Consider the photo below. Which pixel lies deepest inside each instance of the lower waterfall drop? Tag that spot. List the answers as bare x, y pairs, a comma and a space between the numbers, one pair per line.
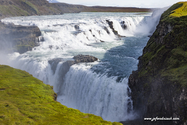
97, 94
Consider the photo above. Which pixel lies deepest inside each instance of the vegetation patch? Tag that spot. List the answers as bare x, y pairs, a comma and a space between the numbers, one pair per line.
26, 100
177, 75
31, 5
175, 12
166, 52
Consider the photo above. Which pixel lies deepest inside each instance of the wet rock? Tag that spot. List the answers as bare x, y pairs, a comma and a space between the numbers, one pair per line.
41, 39
110, 23
54, 63
77, 27
64, 68
123, 25
66, 65
16, 38
84, 58
105, 28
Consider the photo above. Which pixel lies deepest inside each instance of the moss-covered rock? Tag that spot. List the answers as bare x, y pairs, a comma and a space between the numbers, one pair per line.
159, 87
25, 100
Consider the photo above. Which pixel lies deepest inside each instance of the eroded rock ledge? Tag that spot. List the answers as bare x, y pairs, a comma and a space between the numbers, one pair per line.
18, 38
67, 64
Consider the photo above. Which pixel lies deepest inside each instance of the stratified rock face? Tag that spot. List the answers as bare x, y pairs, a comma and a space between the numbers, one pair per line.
18, 38
159, 86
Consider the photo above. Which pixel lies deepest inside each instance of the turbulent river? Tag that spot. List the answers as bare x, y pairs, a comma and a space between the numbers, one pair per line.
100, 88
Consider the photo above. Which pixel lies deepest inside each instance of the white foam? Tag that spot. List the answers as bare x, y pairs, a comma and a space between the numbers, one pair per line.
72, 34
96, 94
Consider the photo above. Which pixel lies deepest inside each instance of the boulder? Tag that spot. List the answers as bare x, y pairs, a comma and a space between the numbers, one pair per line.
84, 58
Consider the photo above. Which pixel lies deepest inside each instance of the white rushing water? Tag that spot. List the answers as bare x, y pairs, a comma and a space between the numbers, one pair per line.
101, 87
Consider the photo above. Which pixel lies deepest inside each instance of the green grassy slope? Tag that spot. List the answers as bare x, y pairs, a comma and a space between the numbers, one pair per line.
166, 51
25, 100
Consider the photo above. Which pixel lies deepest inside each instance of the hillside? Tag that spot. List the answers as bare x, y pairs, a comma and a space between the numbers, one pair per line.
114, 9
26, 8
26, 100
159, 86
42, 7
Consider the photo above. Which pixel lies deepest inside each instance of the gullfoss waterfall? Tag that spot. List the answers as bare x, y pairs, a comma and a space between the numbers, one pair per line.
100, 87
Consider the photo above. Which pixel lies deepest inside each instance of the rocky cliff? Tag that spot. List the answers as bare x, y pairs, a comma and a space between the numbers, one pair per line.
159, 86
18, 38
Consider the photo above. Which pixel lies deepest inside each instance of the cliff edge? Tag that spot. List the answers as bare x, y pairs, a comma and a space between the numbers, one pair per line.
25, 100
159, 86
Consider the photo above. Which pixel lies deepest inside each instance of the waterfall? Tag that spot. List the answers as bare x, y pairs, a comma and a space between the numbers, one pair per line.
97, 94
117, 43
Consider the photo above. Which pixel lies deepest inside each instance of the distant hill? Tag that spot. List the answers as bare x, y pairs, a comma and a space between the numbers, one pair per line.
114, 9
43, 7
26, 8
52, 1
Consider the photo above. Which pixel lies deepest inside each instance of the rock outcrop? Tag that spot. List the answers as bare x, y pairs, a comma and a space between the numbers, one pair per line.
159, 86
84, 58
67, 64
18, 38
64, 68
110, 23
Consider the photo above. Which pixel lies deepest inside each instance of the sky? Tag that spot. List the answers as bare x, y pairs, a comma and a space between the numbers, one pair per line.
124, 3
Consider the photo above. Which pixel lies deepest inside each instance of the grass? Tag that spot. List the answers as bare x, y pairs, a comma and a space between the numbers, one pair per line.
180, 11
5, 10
175, 12
166, 52
25, 100
177, 75
31, 5
12, 10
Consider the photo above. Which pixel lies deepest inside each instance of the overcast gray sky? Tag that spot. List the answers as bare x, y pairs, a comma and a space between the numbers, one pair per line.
123, 3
